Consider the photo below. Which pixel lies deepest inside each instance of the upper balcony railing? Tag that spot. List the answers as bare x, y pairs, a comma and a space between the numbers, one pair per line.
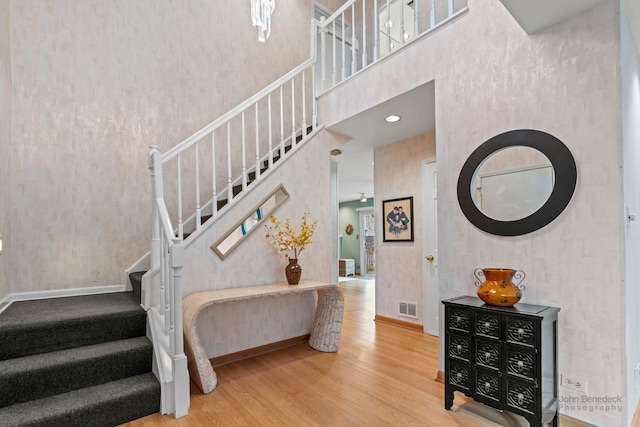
361, 32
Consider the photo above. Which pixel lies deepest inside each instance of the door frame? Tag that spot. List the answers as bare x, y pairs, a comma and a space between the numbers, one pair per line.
430, 291
362, 212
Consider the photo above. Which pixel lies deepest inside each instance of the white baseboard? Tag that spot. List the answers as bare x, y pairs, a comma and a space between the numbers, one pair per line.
59, 293
5, 302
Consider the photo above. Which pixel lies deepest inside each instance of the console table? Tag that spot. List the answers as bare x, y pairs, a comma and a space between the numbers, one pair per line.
325, 330
504, 357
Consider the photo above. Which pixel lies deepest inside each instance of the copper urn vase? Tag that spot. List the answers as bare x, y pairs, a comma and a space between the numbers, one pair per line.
293, 271
496, 287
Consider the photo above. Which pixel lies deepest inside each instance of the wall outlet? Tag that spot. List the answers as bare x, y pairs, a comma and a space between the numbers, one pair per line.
573, 384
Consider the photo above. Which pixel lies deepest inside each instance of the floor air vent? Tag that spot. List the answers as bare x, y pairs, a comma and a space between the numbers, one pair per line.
408, 309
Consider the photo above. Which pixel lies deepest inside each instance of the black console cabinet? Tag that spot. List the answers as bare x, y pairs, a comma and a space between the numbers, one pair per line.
504, 357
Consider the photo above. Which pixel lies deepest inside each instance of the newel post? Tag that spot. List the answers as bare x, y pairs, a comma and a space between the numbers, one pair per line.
155, 166
178, 358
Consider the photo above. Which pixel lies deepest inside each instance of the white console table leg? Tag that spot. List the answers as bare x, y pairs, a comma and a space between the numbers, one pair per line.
327, 324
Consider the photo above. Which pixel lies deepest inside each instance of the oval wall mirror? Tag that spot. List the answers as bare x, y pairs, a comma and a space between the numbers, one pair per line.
517, 182
513, 183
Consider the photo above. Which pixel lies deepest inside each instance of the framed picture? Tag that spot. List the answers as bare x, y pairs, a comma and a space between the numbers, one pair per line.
398, 220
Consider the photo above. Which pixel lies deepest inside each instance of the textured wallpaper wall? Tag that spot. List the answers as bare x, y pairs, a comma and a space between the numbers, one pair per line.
491, 77
95, 83
5, 147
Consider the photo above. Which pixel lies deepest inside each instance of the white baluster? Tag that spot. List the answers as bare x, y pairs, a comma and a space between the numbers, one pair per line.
334, 78
244, 156
402, 30
281, 123
323, 53
450, 9
257, 144
229, 183
433, 13
388, 26
314, 117
198, 212
214, 193
364, 33
344, 53
416, 14
354, 59
293, 113
270, 131
304, 107
164, 301
376, 30
180, 226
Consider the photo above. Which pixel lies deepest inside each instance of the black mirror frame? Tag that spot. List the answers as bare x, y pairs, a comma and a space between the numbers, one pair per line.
564, 167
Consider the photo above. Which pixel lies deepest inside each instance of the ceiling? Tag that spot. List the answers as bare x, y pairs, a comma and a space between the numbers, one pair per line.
534, 16
369, 130
416, 108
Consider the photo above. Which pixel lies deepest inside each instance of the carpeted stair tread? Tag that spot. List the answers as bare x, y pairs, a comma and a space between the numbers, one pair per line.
42, 375
104, 405
40, 326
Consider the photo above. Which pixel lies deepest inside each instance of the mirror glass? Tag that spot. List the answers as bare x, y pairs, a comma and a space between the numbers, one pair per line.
512, 183
241, 229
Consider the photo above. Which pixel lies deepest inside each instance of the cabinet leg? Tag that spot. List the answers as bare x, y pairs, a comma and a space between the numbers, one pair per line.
448, 399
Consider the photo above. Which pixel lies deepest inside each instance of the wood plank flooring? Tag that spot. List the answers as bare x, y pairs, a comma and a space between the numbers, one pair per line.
382, 375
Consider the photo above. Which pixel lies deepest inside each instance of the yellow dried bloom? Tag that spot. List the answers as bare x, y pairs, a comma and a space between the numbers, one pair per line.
286, 240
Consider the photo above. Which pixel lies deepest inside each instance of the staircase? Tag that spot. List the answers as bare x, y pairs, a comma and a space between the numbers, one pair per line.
76, 361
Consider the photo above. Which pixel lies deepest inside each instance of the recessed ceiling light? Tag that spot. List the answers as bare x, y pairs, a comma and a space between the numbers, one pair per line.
392, 118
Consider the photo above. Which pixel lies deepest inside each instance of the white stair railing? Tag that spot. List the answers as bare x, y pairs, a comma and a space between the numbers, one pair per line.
361, 32
284, 111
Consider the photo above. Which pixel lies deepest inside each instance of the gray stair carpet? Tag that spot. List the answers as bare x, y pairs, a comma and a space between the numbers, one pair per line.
76, 361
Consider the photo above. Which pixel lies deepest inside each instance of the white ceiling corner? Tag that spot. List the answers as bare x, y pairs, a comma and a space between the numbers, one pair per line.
536, 15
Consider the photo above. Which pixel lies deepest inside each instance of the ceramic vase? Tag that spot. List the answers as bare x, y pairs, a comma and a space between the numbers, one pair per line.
293, 271
496, 287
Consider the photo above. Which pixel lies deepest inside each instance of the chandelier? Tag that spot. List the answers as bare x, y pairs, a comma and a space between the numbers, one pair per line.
261, 11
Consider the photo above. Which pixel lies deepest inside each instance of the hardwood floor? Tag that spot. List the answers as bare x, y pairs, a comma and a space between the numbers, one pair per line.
382, 375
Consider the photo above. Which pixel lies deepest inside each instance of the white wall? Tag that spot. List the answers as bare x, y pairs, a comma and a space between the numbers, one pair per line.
490, 78
397, 171
94, 83
5, 147
630, 76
